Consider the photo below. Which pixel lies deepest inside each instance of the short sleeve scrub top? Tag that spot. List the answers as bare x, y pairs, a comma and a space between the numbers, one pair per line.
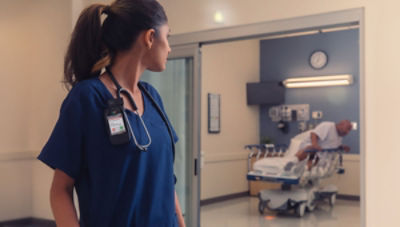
117, 185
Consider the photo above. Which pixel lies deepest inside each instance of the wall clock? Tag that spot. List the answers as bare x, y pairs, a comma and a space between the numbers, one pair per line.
318, 59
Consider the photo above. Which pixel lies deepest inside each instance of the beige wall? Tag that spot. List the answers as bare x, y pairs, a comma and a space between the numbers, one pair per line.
33, 42
36, 51
381, 78
349, 182
226, 72
16, 187
32, 47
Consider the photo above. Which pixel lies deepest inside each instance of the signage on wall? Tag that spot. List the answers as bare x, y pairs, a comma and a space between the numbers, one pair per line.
214, 119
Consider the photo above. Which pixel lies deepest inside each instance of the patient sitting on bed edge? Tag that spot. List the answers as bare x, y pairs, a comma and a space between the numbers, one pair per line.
327, 135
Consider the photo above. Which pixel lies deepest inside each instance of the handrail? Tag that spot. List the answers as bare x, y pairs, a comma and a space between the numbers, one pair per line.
326, 150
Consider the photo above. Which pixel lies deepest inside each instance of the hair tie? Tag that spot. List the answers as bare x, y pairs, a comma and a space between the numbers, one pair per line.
106, 10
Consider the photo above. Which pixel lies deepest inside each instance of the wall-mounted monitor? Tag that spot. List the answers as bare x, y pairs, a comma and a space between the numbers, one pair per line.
265, 93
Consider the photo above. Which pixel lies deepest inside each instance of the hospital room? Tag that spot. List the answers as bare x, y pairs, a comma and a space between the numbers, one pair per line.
280, 114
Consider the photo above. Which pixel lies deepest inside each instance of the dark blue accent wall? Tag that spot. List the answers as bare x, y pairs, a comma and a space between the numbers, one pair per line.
289, 57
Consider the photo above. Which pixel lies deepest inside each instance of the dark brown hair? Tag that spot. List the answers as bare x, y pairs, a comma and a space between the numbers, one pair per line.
93, 44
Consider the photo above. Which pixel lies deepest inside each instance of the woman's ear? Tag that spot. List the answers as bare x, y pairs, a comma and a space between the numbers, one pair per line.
149, 37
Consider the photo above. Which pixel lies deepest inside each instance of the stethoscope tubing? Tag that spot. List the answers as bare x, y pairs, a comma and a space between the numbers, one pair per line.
121, 90
142, 147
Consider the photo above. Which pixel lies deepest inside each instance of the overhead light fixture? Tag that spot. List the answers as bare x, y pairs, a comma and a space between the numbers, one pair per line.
318, 81
218, 17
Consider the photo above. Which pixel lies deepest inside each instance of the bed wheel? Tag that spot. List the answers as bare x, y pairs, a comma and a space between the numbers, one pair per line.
332, 199
311, 206
262, 205
301, 209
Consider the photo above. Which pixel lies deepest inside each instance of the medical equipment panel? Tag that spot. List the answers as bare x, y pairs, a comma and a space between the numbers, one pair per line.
288, 113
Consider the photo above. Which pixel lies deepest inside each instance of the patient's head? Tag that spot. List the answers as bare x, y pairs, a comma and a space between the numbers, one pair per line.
343, 127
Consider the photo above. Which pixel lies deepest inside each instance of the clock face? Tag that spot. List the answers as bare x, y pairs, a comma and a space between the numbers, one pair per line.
318, 59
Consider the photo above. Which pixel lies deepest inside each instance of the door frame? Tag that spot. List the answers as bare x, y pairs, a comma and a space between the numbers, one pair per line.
193, 51
334, 19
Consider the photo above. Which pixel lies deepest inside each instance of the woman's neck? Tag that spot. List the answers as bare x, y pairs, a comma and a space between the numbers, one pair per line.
127, 69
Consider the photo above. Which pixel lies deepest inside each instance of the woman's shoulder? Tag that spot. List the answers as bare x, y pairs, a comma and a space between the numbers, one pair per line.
153, 91
148, 86
86, 91
84, 87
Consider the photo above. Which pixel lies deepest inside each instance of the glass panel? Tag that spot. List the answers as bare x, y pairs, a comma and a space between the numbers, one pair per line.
174, 85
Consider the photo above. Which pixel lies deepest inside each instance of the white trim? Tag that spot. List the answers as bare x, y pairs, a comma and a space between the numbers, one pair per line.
363, 205
16, 156
351, 157
298, 24
225, 157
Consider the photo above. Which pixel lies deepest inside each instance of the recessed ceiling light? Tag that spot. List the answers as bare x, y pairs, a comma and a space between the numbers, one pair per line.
218, 17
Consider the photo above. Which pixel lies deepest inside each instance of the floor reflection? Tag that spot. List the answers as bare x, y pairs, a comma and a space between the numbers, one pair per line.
243, 212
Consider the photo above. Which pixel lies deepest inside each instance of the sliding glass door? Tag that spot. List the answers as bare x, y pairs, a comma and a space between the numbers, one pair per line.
179, 87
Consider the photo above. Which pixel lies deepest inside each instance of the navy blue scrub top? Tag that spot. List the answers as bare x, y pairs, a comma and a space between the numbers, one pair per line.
117, 185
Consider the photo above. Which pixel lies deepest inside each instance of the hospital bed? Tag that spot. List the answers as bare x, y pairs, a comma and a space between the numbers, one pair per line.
300, 189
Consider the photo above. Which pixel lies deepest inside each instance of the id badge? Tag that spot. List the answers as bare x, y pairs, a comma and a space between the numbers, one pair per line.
117, 122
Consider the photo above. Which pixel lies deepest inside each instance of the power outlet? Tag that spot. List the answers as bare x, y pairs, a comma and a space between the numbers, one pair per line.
316, 114
354, 125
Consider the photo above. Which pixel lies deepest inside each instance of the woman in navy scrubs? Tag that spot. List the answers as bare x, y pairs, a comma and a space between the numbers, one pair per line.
117, 184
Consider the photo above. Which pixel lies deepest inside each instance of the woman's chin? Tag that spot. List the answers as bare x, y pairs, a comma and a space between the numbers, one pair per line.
157, 69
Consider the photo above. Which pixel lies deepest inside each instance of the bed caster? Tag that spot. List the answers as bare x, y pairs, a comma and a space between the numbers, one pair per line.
332, 200
262, 205
301, 209
341, 171
311, 206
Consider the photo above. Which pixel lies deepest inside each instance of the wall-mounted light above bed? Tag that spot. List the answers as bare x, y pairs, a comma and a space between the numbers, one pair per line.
318, 81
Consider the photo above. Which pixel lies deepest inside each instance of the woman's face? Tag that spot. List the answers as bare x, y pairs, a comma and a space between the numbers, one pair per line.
158, 54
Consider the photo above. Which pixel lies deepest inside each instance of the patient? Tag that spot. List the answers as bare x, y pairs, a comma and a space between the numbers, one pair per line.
327, 135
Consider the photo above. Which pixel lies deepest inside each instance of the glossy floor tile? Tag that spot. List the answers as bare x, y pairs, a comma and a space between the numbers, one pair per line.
243, 212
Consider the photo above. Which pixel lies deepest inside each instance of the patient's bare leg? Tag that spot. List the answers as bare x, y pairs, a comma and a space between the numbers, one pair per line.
302, 154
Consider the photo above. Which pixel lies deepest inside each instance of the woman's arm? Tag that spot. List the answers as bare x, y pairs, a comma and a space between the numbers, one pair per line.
61, 200
181, 221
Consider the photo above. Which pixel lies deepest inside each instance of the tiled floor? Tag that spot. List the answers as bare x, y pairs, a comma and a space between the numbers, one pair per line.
243, 212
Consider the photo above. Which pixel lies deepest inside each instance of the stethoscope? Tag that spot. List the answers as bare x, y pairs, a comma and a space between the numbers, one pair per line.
121, 90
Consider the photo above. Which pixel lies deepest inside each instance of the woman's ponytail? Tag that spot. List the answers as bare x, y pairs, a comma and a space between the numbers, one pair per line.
86, 47
94, 45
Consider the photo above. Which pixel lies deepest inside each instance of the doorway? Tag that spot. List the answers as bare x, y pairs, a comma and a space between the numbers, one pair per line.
282, 27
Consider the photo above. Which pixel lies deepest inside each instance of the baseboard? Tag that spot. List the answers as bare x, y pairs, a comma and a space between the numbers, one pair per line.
223, 198
348, 197
32, 222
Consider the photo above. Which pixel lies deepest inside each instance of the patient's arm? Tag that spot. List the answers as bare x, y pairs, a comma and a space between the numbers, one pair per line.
302, 154
314, 142
345, 148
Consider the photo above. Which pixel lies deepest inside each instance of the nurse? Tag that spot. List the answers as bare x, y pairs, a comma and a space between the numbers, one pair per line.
121, 182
